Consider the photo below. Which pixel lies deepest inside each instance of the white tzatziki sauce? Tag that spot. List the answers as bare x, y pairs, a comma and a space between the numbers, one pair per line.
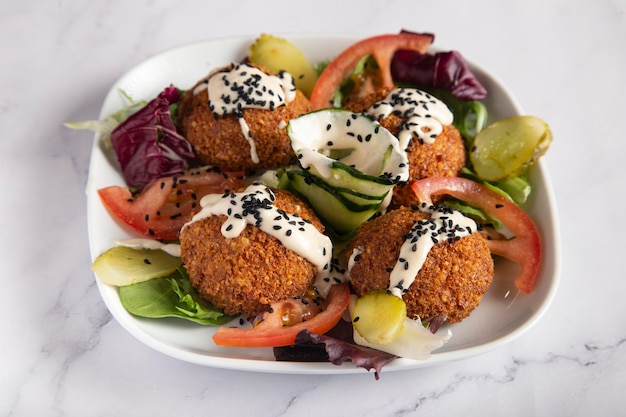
444, 225
254, 206
424, 115
144, 243
242, 86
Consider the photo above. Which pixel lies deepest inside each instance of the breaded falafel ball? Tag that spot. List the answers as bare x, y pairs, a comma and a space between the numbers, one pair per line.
247, 273
451, 282
443, 158
249, 131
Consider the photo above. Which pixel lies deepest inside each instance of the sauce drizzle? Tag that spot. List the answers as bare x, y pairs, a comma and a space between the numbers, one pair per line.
254, 206
424, 114
242, 86
444, 225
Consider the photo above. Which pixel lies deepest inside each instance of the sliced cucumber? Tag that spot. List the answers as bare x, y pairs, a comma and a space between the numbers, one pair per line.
342, 215
122, 265
358, 198
349, 165
354, 203
367, 150
348, 177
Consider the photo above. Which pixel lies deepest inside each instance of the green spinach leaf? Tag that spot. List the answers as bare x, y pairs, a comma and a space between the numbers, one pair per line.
171, 296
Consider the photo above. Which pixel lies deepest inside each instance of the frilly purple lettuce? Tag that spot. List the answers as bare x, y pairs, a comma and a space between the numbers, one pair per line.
336, 346
442, 70
339, 351
147, 144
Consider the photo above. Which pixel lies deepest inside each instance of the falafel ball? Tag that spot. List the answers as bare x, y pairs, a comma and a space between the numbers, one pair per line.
220, 140
443, 158
451, 282
245, 274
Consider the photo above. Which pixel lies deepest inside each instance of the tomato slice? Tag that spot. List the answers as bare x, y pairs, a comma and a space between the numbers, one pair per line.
272, 333
381, 47
524, 248
166, 204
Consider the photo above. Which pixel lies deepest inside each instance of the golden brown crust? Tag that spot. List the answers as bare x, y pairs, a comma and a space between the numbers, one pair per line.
443, 158
220, 141
451, 282
247, 273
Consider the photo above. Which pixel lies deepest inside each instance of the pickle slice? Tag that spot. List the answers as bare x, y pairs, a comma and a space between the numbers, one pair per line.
278, 54
506, 148
379, 316
122, 265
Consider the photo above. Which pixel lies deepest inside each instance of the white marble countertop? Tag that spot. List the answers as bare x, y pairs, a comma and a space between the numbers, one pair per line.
64, 354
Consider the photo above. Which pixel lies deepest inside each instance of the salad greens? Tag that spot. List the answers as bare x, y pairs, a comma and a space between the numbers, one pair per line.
148, 145
105, 126
171, 296
442, 70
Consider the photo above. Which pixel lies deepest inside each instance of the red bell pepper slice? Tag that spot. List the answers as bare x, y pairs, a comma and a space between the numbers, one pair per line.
381, 47
524, 248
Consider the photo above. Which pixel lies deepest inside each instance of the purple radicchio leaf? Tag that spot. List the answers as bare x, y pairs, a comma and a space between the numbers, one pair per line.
147, 144
435, 322
339, 351
443, 70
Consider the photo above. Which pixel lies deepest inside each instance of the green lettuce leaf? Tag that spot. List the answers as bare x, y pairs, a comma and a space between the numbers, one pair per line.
172, 296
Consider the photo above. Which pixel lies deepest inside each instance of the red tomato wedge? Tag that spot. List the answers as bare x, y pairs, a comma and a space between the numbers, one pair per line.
381, 47
271, 333
524, 248
166, 204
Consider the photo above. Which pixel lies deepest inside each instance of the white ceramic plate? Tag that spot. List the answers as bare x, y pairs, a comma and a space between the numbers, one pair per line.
502, 315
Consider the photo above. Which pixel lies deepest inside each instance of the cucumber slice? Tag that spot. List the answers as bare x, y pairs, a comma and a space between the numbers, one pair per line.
349, 164
304, 179
507, 148
358, 198
367, 151
342, 215
347, 178
122, 265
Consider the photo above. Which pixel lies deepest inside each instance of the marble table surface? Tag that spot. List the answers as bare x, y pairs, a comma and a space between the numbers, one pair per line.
62, 352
